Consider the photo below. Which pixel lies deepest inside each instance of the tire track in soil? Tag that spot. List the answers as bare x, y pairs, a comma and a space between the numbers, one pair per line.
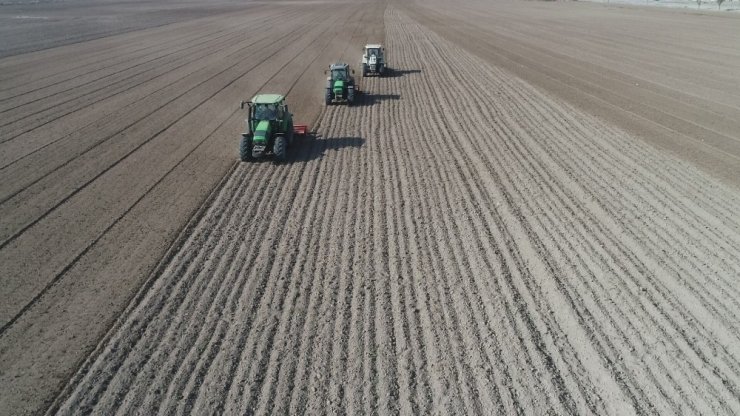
234, 189
417, 389
94, 128
14, 66
309, 296
338, 18
474, 77
84, 187
432, 259
74, 72
414, 61
647, 126
273, 227
252, 398
104, 94
210, 360
81, 89
676, 242
121, 55
527, 322
280, 364
202, 167
73, 103
436, 257
411, 263
85, 139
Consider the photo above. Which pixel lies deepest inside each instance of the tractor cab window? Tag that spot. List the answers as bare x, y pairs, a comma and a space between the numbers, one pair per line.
372, 52
338, 75
265, 112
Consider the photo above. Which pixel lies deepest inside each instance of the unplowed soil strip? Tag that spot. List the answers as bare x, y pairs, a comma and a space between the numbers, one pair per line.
457, 242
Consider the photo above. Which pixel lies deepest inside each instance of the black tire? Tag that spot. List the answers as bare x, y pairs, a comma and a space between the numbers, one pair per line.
381, 68
245, 149
364, 70
327, 98
280, 148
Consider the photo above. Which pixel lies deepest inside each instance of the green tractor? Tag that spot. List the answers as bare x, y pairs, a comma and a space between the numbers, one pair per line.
340, 84
270, 128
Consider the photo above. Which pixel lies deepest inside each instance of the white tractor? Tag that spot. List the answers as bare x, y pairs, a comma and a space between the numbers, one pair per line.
373, 60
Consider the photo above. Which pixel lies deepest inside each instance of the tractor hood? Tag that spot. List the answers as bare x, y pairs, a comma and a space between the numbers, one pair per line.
261, 132
338, 86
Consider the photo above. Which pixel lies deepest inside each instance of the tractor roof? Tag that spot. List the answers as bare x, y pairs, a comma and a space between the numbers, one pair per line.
339, 65
267, 99
373, 46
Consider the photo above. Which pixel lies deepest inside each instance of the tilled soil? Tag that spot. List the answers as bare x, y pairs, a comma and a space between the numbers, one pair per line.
506, 223
660, 76
458, 242
31, 25
108, 152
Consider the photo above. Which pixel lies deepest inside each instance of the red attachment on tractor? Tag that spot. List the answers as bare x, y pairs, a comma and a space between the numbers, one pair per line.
301, 129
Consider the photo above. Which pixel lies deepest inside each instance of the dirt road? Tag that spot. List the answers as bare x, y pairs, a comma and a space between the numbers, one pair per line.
470, 238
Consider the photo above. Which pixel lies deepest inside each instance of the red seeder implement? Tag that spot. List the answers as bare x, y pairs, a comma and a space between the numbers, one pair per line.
301, 129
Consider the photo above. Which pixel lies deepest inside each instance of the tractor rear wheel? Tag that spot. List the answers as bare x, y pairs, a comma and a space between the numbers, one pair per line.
280, 148
245, 149
328, 96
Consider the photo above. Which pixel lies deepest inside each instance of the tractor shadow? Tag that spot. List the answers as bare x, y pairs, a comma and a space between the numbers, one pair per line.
313, 146
395, 73
365, 99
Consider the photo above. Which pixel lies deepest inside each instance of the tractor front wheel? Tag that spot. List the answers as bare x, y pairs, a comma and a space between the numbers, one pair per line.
280, 148
328, 97
245, 149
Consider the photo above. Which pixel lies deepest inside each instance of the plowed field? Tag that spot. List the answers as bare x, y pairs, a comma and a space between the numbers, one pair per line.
468, 238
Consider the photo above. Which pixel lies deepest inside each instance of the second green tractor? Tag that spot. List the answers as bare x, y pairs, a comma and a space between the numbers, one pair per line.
340, 84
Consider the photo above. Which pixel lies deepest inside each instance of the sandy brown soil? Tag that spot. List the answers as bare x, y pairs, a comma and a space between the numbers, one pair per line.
108, 153
661, 75
475, 236
30, 25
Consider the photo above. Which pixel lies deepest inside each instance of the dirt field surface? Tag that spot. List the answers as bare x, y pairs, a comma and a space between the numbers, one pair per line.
30, 25
535, 211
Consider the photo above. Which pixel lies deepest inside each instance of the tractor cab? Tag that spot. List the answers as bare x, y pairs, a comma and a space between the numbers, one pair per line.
268, 108
375, 50
265, 112
339, 72
373, 59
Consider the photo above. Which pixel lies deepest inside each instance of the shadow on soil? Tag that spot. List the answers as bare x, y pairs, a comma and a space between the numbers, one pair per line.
365, 99
394, 73
312, 146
